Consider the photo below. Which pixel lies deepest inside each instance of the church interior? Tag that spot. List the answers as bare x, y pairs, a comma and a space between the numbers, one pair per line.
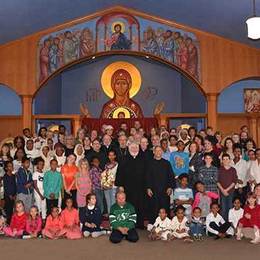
169, 65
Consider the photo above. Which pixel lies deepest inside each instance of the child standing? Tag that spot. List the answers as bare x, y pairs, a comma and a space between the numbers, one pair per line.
215, 224
203, 199
91, 218
38, 177
70, 220
18, 221
52, 184
250, 218
25, 184
183, 196
197, 224
54, 227
179, 227
108, 178
161, 228
95, 175
9, 190
227, 179
83, 183
33, 224
234, 215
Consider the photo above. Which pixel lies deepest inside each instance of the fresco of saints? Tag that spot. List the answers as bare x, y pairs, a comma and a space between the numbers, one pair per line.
192, 57
182, 54
151, 45
168, 46
70, 47
55, 54
118, 40
121, 83
86, 43
44, 59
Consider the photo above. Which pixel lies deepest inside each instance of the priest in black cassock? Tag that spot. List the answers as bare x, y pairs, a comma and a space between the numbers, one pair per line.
160, 181
130, 177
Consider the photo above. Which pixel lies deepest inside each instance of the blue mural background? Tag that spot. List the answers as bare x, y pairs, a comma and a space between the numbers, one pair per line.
10, 102
231, 99
81, 84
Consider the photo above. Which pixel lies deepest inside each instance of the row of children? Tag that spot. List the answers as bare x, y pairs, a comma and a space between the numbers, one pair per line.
69, 223
240, 222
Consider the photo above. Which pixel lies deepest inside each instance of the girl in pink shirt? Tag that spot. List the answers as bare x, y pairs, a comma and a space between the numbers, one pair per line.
33, 223
203, 199
70, 220
54, 226
18, 221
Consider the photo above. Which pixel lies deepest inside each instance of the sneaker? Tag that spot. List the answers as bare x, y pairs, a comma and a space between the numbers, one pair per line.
98, 234
26, 237
255, 241
200, 237
188, 240
86, 234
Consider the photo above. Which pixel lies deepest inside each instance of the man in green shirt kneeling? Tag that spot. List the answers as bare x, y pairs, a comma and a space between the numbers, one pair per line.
122, 220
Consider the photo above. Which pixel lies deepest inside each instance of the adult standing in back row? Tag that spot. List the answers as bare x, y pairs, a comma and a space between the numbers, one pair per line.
131, 178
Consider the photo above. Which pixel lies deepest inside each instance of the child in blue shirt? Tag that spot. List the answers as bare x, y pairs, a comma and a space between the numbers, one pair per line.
183, 196
179, 160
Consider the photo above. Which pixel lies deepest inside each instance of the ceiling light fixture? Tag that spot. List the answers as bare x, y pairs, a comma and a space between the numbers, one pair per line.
253, 25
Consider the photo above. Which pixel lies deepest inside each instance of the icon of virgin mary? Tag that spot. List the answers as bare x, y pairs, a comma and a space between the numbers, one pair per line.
121, 83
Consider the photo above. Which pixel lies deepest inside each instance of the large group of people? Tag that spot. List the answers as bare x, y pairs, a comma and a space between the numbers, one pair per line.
177, 183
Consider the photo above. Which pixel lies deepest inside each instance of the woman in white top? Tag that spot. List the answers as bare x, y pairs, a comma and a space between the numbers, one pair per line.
241, 188
254, 171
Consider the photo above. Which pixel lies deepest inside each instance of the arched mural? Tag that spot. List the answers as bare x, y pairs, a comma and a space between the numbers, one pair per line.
84, 84
118, 32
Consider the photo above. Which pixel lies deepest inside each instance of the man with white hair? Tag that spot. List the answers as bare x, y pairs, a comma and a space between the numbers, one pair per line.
131, 179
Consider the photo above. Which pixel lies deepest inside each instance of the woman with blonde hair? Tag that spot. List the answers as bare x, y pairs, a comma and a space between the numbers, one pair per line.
83, 183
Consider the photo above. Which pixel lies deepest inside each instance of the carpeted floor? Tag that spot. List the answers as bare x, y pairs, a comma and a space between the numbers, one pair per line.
101, 248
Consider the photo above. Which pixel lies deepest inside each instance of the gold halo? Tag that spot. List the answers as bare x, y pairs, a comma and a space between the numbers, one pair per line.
118, 22
121, 109
109, 71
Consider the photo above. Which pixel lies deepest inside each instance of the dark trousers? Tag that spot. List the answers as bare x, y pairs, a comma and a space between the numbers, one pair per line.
116, 236
9, 207
156, 202
241, 194
222, 228
50, 204
226, 203
73, 196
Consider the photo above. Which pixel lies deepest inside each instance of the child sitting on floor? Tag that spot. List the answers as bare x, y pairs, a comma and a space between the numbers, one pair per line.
215, 224
91, 218
18, 221
203, 199
179, 228
70, 220
197, 224
33, 224
234, 215
250, 219
2, 221
161, 228
53, 227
